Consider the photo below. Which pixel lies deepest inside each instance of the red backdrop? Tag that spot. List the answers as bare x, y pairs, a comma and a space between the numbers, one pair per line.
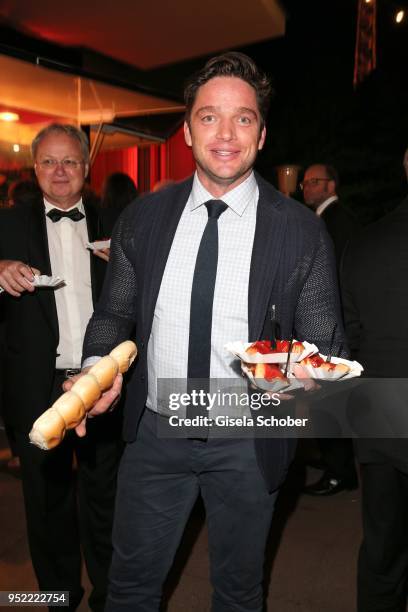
146, 165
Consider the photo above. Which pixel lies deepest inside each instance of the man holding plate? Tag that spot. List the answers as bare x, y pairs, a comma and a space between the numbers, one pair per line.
196, 266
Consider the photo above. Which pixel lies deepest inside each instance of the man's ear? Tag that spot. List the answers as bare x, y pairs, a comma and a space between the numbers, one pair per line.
187, 134
86, 170
332, 187
262, 138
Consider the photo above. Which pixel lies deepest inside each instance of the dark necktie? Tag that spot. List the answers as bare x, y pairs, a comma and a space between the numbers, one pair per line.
55, 214
202, 298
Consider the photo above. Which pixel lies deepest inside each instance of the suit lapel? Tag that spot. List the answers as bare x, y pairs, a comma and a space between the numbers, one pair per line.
39, 257
159, 244
267, 249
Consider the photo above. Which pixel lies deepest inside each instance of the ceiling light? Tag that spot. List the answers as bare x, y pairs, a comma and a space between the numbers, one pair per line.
7, 116
399, 16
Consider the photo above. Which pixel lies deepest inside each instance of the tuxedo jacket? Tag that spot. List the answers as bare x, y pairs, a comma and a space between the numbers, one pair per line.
292, 266
31, 322
341, 225
375, 301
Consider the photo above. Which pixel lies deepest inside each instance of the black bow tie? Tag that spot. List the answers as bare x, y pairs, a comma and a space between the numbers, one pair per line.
55, 214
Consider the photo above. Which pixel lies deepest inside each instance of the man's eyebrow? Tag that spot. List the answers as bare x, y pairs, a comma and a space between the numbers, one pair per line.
250, 111
207, 109
239, 109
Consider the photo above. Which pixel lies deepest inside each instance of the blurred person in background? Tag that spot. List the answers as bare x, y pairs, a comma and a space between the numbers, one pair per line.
375, 303
320, 185
23, 193
117, 192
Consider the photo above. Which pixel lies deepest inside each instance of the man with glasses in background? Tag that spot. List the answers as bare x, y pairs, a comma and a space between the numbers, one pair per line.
66, 509
320, 184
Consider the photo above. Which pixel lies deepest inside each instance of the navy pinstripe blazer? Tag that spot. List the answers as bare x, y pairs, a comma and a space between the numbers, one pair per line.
292, 267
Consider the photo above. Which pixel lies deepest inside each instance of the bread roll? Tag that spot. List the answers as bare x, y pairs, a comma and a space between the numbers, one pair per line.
316, 361
264, 347
341, 369
48, 430
69, 409
268, 371
87, 389
124, 355
105, 371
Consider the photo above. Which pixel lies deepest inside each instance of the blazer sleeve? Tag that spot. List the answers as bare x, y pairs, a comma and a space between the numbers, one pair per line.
114, 317
318, 314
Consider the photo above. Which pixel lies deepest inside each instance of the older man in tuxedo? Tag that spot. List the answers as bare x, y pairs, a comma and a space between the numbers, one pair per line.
66, 509
196, 265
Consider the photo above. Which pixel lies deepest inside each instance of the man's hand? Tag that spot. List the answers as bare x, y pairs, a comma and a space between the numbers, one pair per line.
16, 277
106, 402
102, 253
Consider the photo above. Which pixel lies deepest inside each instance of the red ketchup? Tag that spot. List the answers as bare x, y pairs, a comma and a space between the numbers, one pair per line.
264, 347
317, 361
272, 372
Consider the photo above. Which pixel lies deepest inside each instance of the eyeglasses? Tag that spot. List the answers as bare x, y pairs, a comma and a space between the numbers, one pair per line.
51, 164
313, 182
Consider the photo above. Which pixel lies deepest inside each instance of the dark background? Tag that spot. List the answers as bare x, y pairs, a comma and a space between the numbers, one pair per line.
317, 115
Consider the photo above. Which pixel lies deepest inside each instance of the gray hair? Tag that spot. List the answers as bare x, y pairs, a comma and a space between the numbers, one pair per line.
68, 130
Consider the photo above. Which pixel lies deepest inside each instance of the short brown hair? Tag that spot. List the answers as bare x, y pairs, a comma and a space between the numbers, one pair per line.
62, 128
231, 64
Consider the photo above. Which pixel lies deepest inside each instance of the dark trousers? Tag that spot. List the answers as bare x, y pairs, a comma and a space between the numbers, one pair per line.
337, 452
68, 508
383, 560
159, 481
338, 456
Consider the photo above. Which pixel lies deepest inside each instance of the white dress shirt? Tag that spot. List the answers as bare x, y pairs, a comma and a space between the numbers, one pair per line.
322, 207
70, 260
168, 343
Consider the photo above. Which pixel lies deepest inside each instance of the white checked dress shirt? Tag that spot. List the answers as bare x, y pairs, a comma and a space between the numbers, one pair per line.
70, 260
167, 352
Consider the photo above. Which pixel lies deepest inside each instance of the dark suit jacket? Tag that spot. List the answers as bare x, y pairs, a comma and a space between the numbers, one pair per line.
341, 225
292, 267
31, 324
375, 300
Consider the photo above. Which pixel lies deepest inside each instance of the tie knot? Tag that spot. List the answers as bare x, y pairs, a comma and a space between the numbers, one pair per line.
215, 208
56, 214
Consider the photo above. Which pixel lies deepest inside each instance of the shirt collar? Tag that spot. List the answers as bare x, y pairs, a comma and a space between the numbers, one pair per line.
237, 199
79, 205
322, 207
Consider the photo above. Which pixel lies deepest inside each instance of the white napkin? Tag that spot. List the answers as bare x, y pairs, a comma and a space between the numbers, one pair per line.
98, 245
45, 281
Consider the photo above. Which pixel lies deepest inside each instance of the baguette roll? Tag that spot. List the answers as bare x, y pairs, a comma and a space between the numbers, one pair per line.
48, 430
105, 371
71, 408
87, 389
124, 355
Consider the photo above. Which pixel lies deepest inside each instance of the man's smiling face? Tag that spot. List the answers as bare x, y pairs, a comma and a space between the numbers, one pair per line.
225, 133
